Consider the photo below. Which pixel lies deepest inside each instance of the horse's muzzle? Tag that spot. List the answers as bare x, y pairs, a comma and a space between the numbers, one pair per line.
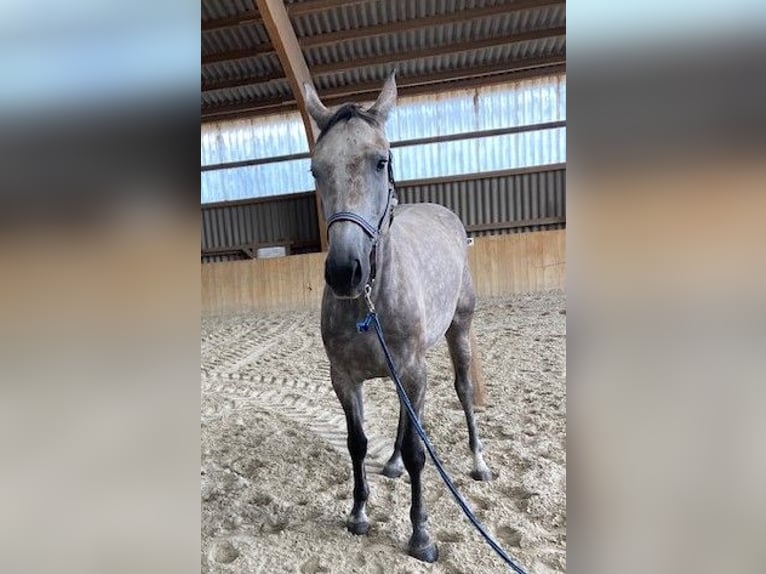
344, 277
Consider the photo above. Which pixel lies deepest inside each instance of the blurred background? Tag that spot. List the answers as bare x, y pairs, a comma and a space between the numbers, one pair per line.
665, 287
99, 331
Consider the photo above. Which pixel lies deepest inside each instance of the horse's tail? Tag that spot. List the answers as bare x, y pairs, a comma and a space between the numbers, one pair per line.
477, 375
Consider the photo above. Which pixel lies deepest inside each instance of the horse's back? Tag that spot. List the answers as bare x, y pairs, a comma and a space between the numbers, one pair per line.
426, 223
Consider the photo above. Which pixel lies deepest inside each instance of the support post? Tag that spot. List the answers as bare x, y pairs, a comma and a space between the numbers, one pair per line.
285, 42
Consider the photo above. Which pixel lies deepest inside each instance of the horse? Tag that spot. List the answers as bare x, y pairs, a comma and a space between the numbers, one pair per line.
411, 261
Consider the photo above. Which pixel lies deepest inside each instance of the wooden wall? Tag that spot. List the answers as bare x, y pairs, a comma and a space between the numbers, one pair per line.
501, 265
519, 263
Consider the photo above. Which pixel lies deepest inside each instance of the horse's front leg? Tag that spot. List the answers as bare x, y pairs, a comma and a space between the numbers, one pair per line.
413, 455
349, 394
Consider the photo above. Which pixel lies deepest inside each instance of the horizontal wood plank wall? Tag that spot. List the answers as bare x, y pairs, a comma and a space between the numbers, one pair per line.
501, 265
520, 263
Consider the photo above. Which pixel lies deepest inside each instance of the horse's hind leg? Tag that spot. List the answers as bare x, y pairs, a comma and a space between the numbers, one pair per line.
394, 467
350, 396
459, 342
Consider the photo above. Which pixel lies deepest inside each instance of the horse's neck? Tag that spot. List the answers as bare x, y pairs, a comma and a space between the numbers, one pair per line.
386, 267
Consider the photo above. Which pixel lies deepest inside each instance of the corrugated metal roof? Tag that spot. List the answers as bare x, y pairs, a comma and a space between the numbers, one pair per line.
244, 67
236, 38
394, 44
436, 64
250, 93
359, 16
213, 9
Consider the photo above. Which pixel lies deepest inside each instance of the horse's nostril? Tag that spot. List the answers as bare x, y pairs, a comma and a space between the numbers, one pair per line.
344, 278
356, 277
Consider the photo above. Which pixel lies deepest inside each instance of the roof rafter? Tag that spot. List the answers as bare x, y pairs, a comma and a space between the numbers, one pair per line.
282, 36
260, 50
309, 6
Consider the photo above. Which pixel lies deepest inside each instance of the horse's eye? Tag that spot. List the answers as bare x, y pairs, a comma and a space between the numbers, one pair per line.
382, 164
313, 173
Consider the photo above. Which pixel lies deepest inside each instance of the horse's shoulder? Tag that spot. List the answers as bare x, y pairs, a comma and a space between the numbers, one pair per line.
425, 211
422, 216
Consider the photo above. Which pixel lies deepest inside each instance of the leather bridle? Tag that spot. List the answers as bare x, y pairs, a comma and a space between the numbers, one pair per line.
372, 232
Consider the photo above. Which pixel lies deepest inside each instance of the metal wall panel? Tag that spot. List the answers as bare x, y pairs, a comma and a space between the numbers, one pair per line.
287, 218
252, 138
499, 199
524, 102
479, 200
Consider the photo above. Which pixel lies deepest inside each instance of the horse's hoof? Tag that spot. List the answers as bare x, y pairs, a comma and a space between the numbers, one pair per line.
427, 553
483, 475
393, 470
358, 528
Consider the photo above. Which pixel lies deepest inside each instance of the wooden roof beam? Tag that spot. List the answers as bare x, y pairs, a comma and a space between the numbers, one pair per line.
260, 50
241, 82
282, 36
309, 6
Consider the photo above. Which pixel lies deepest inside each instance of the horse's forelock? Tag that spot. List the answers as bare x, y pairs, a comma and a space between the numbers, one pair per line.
347, 112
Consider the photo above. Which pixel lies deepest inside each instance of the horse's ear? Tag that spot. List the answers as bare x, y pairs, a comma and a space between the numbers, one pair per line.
386, 99
315, 107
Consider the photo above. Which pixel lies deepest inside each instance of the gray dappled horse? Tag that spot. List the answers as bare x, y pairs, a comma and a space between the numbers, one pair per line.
414, 259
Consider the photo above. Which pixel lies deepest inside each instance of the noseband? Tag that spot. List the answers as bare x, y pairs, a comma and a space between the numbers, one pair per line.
372, 232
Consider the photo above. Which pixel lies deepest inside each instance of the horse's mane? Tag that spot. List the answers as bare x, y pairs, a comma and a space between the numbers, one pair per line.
347, 112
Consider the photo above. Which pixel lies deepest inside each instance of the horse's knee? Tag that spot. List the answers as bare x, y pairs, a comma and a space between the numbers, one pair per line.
413, 455
357, 444
463, 388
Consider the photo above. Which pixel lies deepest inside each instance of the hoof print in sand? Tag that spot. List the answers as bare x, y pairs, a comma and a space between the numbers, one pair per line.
509, 536
313, 566
275, 525
449, 536
223, 552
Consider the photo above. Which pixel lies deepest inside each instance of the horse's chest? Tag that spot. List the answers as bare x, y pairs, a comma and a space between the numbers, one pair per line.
360, 354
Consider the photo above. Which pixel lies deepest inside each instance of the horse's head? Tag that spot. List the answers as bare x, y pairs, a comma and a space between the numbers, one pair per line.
350, 166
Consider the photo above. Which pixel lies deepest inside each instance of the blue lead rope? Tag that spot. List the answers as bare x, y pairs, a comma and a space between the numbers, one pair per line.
364, 326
